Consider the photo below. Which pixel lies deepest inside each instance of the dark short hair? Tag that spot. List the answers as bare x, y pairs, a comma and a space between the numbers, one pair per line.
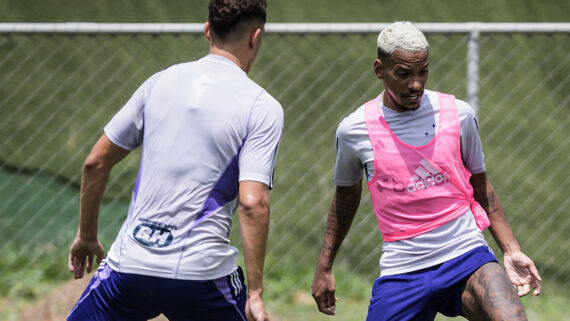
228, 17
382, 54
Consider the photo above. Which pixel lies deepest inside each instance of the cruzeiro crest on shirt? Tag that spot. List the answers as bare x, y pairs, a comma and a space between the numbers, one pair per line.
154, 234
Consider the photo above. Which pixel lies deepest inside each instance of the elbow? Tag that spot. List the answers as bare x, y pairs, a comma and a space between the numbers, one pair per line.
94, 164
254, 207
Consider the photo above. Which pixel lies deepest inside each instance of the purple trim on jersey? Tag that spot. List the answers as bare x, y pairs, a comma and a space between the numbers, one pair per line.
136, 188
225, 190
137, 183
273, 166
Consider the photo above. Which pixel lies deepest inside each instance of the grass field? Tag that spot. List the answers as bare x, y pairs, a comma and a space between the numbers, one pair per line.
57, 92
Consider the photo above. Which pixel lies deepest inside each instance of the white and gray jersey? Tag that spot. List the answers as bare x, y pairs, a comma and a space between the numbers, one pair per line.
204, 126
417, 128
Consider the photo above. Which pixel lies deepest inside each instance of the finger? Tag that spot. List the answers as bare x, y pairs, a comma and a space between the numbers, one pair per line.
89, 262
323, 305
523, 289
332, 302
100, 257
328, 303
534, 273
536, 287
79, 265
320, 303
70, 263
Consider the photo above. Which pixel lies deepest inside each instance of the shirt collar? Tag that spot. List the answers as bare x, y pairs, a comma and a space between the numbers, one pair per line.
222, 60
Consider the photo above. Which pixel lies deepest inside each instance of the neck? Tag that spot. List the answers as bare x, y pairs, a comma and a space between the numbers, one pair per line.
390, 102
232, 55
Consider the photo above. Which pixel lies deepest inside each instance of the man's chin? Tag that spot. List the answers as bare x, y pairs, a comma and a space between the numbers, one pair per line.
411, 106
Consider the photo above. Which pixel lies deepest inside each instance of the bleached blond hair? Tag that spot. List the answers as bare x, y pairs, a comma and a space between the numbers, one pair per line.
401, 35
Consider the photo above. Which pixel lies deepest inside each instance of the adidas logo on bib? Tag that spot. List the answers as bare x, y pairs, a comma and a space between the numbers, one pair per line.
426, 175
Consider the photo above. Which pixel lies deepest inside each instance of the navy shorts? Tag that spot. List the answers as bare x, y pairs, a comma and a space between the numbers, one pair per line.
122, 296
420, 295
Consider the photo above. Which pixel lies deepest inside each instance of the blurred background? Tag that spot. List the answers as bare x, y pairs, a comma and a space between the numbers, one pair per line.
57, 91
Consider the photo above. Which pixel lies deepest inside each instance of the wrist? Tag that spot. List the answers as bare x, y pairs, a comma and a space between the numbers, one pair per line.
255, 293
325, 264
87, 236
509, 249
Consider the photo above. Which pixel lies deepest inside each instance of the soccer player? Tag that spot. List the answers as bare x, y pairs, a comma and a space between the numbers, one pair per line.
423, 161
209, 137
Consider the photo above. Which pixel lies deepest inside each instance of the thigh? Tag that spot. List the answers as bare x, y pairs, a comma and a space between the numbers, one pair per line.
490, 295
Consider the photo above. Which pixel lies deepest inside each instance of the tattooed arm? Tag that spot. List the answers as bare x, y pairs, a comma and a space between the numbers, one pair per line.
520, 268
341, 214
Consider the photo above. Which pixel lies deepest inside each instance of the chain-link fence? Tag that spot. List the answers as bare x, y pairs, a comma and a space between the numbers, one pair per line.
59, 88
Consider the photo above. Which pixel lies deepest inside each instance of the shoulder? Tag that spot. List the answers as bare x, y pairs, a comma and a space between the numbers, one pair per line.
266, 98
268, 103
151, 81
354, 121
467, 116
464, 109
353, 127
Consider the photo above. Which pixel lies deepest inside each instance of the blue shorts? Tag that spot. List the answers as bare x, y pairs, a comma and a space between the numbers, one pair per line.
420, 295
121, 296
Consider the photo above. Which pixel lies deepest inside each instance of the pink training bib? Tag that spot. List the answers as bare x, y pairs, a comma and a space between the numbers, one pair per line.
416, 189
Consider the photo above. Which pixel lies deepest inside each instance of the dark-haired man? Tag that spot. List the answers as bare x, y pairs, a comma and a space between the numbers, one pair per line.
209, 138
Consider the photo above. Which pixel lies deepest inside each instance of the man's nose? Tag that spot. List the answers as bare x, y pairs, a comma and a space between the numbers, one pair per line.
416, 83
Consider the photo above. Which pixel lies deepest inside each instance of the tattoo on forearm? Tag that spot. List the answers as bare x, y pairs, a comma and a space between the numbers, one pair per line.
340, 219
487, 200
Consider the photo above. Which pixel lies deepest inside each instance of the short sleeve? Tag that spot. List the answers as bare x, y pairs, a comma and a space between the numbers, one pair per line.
259, 151
126, 128
471, 147
351, 149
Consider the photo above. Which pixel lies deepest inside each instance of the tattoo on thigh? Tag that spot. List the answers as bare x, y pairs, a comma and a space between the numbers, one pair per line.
490, 295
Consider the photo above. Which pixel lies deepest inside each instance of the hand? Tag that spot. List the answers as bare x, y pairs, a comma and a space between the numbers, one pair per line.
323, 289
83, 250
522, 272
255, 309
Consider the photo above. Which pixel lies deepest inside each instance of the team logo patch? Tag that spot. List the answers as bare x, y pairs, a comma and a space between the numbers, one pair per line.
153, 234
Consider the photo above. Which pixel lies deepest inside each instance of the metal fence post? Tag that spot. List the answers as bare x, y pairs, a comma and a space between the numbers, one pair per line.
473, 69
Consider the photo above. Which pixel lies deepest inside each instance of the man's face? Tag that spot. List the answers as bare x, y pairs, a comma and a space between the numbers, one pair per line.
404, 75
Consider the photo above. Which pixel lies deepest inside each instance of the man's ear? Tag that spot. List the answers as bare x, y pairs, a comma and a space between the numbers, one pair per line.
379, 68
255, 37
207, 30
